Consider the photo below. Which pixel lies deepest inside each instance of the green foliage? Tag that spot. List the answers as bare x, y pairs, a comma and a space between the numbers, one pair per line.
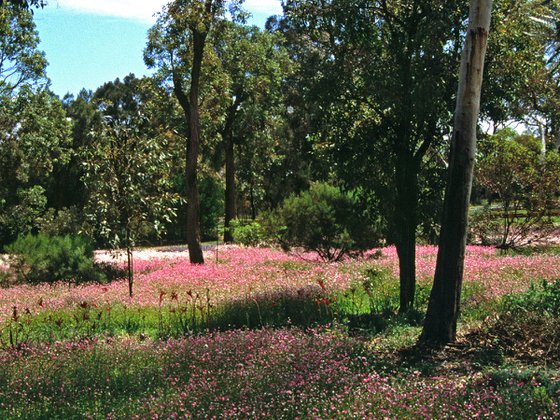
517, 83
37, 259
66, 221
35, 145
543, 299
211, 193
524, 183
325, 220
255, 67
126, 175
537, 393
249, 234
21, 62
22, 218
25, 3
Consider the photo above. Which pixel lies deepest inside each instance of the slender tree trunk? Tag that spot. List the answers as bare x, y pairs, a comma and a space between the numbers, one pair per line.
230, 205
130, 263
405, 226
252, 200
406, 178
542, 130
191, 109
440, 326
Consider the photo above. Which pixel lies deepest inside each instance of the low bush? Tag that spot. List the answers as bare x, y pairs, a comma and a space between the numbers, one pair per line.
542, 300
249, 234
40, 258
527, 326
325, 220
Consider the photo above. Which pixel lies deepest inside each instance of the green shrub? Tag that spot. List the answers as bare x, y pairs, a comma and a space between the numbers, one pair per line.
37, 259
248, 233
21, 217
542, 300
324, 220
211, 207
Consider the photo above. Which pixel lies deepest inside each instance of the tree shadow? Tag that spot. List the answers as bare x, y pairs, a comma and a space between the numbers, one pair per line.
304, 307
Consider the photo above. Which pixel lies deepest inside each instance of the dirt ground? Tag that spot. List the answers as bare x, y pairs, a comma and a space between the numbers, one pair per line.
144, 254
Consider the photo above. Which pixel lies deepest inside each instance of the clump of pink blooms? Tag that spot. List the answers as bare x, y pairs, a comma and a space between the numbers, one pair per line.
496, 275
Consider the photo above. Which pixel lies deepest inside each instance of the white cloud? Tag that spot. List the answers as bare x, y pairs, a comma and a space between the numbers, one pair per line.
270, 7
144, 10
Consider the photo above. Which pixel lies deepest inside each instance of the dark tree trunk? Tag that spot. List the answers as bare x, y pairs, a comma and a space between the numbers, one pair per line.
191, 109
230, 205
440, 326
405, 216
405, 228
130, 262
253, 205
193, 201
193, 147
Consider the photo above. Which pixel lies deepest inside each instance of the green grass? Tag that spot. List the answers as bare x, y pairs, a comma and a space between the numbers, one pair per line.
369, 306
282, 372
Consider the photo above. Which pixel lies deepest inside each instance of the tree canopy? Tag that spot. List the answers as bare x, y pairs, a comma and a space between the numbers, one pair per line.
20, 60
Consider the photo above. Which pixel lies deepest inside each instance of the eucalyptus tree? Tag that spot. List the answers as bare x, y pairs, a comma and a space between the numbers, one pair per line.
521, 72
68, 189
440, 326
382, 73
127, 167
176, 46
255, 66
20, 60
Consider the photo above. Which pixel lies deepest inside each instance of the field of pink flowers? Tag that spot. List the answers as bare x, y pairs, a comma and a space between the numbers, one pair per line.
286, 372
241, 272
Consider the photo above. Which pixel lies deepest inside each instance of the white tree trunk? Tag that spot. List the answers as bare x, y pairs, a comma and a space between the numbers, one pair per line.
441, 320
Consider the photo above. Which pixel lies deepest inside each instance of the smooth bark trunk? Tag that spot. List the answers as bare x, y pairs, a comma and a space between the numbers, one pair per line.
440, 326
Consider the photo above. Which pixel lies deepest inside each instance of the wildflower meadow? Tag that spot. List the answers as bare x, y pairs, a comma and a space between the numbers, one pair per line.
228, 209
258, 333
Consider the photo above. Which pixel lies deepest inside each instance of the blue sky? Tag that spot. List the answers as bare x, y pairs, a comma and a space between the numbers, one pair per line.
91, 42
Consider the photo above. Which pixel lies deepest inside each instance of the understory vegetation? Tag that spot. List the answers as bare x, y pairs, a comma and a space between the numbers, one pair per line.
259, 333
309, 166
